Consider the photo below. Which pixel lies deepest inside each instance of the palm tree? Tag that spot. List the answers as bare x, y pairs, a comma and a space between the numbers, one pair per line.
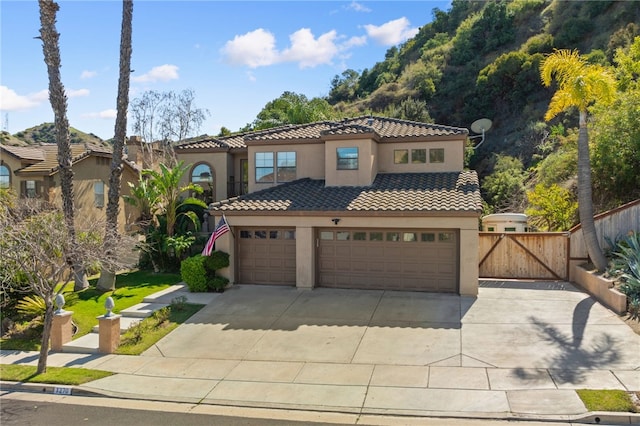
107, 279
167, 190
51, 50
579, 85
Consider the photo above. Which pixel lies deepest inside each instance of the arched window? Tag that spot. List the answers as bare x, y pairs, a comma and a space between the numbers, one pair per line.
203, 175
5, 176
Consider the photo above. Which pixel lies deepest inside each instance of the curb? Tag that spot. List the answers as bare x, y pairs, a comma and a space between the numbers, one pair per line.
594, 417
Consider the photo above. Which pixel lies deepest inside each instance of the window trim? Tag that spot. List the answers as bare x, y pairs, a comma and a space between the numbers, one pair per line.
266, 167
346, 162
8, 175
436, 155
293, 168
98, 197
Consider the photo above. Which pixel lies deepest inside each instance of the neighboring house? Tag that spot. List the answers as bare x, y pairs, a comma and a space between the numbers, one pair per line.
368, 202
505, 222
32, 172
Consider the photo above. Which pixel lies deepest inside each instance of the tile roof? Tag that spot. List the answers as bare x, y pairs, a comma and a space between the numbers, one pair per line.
47, 156
24, 152
382, 127
390, 192
224, 143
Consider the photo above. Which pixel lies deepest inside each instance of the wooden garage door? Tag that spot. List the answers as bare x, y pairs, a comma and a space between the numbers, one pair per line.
267, 256
420, 260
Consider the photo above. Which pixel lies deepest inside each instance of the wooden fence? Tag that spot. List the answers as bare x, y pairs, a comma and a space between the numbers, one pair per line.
524, 255
550, 255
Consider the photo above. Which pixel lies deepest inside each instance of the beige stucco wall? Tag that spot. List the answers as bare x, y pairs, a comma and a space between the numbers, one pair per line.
219, 163
305, 240
367, 163
453, 157
85, 174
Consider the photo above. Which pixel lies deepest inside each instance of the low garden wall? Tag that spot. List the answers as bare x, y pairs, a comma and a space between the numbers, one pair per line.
601, 288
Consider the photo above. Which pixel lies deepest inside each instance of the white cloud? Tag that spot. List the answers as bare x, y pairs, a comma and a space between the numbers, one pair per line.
308, 51
354, 42
162, 73
11, 101
392, 33
107, 114
88, 74
258, 48
251, 76
253, 49
77, 93
358, 7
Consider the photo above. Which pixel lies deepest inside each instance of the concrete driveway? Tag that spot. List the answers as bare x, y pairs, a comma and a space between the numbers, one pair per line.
547, 333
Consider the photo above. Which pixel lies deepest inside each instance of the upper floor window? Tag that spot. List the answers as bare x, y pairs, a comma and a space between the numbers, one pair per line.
98, 194
203, 176
286, 166
347, 158
419, 156
400, 156
5, 177
264, 167
436, 155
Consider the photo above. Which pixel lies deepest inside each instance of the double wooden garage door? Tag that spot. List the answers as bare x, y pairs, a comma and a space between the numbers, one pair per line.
421, 260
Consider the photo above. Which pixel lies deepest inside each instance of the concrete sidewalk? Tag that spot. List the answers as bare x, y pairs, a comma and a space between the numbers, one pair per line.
518, 351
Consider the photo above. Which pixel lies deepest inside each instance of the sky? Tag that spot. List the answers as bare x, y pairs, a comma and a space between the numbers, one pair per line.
236, 56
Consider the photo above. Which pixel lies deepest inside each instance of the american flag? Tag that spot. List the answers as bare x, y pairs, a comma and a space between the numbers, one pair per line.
221, 229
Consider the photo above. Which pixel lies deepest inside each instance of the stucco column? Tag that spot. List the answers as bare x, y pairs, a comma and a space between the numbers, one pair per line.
305, 257
469, 271
109, 333
61, 330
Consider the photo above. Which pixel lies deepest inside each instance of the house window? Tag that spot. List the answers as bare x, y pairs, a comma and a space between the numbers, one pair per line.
509, 229
98, 194
30, 189
409, 237
264, 167
428, 237
419, 156
5, 177
436, 155
203, 176
400, 156
286, 166
360, 236
347, 158
375, 236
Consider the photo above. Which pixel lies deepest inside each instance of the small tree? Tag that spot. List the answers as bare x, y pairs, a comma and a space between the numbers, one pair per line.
37, 249
551, 208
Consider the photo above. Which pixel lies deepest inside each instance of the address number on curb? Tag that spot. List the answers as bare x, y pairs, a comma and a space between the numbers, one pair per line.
62, 391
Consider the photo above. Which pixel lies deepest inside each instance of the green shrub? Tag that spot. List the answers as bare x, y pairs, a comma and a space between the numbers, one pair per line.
193, 273
218, 283
217, 260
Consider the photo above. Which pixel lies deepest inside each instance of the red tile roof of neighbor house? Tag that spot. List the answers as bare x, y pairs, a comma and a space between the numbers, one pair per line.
382, 128
449, 192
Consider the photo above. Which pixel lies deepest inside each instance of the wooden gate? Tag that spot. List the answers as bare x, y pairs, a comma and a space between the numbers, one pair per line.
530, 255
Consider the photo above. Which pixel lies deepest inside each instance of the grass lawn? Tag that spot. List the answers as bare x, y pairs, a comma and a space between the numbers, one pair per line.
141, 337
607, 400
54, 375
88, 305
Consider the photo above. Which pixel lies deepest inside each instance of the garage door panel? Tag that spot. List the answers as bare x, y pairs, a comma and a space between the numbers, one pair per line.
419, 260
269, 260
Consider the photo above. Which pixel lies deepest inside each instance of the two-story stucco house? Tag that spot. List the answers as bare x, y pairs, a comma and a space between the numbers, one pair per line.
367, 202
32, 172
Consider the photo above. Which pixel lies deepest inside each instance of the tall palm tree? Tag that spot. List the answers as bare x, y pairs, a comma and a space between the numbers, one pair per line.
107, 279
51, 50
579, 85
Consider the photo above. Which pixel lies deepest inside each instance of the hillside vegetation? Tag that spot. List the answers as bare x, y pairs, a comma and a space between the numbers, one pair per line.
481, 59
45, 133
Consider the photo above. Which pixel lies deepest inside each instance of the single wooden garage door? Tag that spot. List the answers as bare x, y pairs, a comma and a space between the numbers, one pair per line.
418, 260
267, 256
